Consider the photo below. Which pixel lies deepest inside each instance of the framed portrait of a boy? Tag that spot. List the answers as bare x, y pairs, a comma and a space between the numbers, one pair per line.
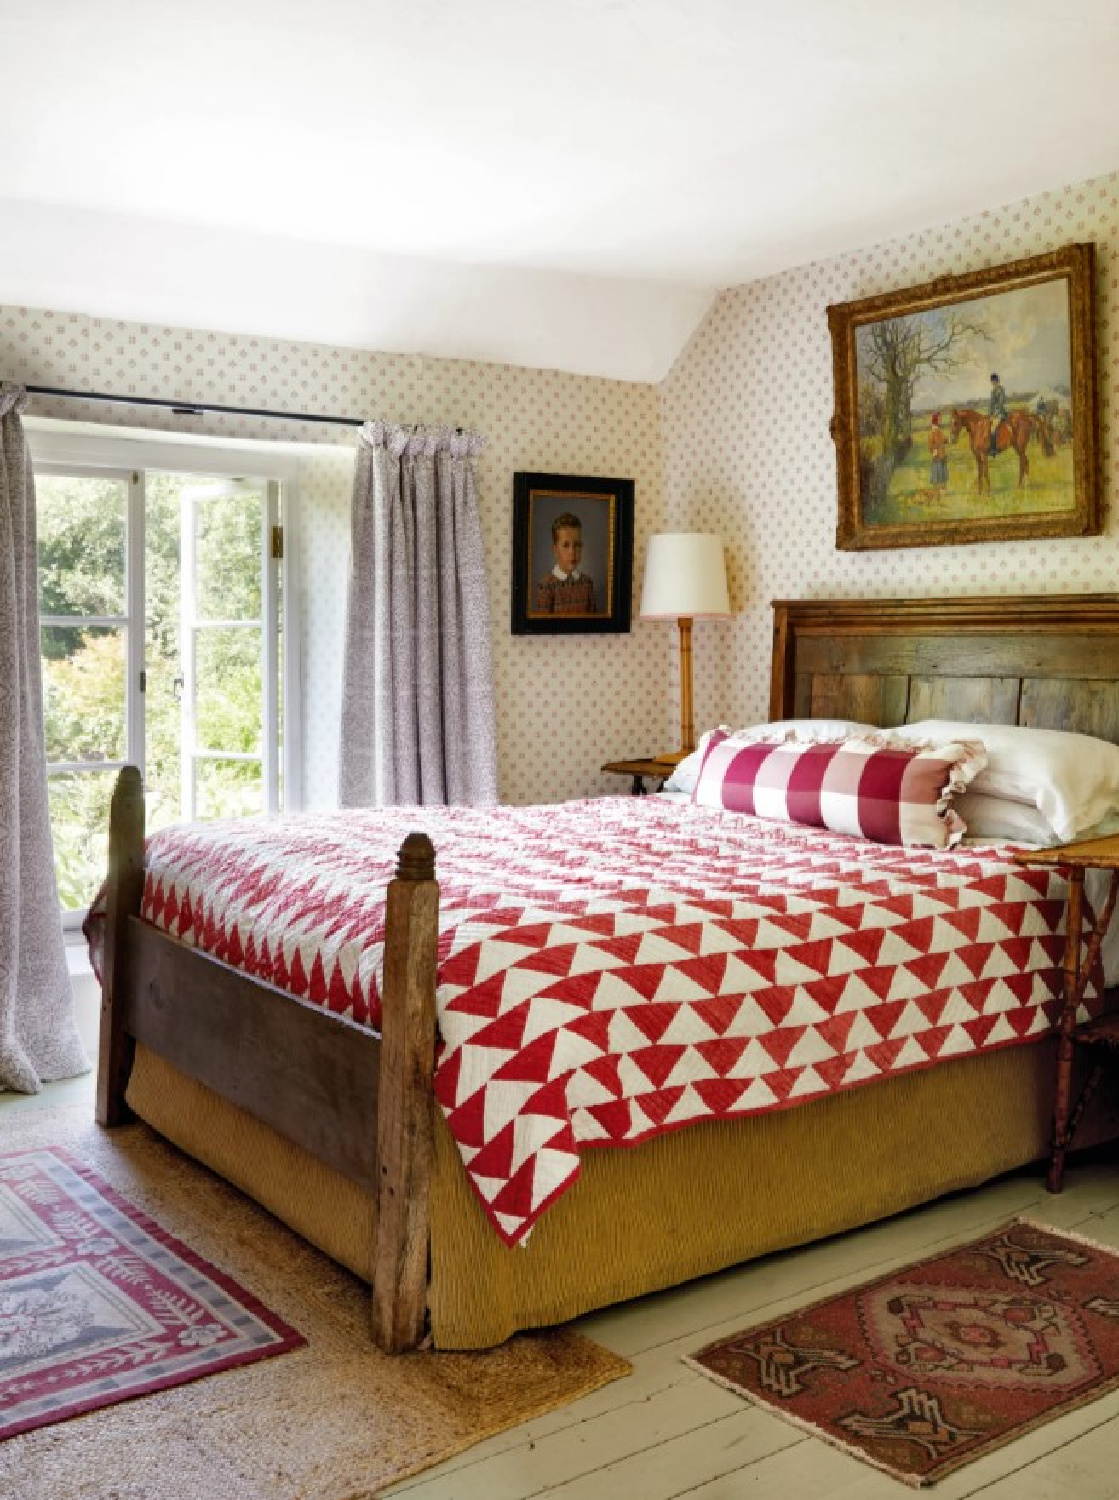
572, 554
966, 409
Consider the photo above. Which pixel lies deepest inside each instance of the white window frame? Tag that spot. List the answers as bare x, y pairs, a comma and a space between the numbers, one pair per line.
192, 623
106, 453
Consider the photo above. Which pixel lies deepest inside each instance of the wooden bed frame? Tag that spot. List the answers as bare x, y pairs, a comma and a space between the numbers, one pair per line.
360, 1102
363, 1103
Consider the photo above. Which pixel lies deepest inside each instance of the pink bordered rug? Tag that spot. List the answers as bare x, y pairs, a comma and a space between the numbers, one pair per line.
938, 1363
98, 1304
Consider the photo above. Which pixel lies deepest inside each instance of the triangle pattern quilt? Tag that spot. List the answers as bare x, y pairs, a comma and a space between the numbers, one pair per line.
619, 967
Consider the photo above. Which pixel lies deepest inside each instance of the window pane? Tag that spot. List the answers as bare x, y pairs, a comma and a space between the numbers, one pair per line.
227, 696
80, 824
228, 788
163, 725
227, 552
82, 524
163, 700
83, 692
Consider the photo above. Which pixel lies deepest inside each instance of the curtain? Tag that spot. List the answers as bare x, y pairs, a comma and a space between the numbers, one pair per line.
38, 1037
417, 698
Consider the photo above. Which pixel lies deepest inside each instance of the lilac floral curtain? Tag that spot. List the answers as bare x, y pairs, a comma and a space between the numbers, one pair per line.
38, 1037
418, 700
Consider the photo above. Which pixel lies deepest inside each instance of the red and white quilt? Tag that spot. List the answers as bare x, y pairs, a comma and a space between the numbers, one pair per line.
619, 967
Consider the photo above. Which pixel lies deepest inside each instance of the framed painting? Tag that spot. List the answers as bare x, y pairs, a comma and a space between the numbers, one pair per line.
572, 554
965, 409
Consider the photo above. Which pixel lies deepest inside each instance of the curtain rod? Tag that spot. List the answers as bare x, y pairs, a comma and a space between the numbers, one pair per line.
193, 408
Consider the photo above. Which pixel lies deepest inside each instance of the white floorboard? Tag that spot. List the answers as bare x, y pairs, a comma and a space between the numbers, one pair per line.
666, 1431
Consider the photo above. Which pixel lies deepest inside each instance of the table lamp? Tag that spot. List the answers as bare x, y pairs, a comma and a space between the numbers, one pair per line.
685, 579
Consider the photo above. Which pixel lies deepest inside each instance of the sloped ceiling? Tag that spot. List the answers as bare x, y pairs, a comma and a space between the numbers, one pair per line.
563, 185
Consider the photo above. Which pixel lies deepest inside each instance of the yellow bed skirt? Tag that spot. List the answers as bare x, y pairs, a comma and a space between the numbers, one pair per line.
651, 1216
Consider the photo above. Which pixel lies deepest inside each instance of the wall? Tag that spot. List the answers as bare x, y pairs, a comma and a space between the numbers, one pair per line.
748, 452
735, 440
564, 704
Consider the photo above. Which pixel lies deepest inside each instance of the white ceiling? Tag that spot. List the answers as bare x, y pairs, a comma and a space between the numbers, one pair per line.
562, 184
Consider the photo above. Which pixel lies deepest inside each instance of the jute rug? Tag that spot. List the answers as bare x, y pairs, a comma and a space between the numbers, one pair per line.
334, 1420
933, 1365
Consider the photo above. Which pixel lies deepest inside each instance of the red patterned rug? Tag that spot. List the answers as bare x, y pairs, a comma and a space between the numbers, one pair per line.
940, 1362
98, 1304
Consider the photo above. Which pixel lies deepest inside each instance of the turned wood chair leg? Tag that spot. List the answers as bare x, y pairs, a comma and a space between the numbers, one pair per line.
1072, 991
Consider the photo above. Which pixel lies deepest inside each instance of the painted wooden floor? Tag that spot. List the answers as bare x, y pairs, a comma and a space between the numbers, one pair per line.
666, 1431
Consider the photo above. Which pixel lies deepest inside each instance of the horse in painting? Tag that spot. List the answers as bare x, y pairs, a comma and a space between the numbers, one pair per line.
1013, 432
1043, 427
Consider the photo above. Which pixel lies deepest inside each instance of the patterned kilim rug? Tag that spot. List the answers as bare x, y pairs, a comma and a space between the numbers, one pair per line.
332, 1420
935, 1364
99, 1304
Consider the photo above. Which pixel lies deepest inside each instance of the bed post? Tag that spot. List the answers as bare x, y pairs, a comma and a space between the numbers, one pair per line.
405, 1101
124, 892
782, 682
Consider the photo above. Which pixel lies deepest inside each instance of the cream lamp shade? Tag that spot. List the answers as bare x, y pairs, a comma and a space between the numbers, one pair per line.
685, 579
685, 575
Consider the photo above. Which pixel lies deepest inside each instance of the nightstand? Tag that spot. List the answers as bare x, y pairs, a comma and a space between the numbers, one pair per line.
655, 770
1100, 1036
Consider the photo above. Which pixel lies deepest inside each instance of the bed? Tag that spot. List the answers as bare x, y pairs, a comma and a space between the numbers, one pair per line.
334, 1127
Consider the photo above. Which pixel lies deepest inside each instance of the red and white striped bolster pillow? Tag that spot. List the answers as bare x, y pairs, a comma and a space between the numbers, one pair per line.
891, 792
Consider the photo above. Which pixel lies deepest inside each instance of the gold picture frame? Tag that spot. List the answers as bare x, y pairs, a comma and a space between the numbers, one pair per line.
922, 375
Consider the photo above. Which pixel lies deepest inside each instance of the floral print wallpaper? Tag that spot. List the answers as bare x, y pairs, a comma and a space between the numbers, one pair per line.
566, 704
748, 451
735, 440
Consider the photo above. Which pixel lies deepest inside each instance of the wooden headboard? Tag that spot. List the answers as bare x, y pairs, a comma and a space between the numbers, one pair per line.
1051, 661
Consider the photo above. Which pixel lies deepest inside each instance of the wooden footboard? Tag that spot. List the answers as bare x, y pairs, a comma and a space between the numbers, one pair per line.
359, 1102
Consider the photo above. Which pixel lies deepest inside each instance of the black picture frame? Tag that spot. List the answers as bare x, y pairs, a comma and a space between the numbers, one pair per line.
604, 509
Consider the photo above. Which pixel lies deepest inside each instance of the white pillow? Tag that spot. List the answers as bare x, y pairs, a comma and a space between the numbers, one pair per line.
686, 774
990, 817
1072, 779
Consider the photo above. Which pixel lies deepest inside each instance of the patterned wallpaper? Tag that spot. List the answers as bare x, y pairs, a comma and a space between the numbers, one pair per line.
748, 452
565, 704
735, 440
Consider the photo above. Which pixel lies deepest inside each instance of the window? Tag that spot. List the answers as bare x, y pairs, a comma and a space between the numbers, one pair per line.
165, 611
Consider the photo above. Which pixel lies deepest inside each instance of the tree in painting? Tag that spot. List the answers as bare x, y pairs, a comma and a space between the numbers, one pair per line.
896, 353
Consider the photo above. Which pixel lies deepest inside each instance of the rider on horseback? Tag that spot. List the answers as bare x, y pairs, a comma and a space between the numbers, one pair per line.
996, 411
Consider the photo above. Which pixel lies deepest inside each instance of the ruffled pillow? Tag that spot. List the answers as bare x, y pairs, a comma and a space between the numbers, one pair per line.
686, 774
873, 786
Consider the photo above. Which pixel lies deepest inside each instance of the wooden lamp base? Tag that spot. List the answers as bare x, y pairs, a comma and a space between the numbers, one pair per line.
687, 726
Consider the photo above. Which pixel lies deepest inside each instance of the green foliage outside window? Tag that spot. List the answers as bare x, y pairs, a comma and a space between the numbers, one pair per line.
81, 522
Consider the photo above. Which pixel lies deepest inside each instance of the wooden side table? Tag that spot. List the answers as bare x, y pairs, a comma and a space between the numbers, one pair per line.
654, 770
1078, 964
